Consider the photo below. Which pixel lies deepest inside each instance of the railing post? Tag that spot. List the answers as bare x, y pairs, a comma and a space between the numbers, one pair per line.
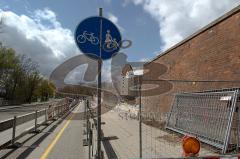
58, 111
36, 116
46, 115
54, 112
90, 142
14, 129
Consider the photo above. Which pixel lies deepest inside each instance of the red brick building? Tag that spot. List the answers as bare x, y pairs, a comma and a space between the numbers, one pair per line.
208, 59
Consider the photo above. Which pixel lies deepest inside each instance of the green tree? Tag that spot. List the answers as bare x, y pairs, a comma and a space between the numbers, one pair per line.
10, 68
46, 90
20, 79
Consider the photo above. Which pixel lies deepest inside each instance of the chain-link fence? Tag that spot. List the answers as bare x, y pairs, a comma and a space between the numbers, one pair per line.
211, 116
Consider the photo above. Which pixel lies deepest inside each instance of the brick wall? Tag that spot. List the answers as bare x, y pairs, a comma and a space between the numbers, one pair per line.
213, 54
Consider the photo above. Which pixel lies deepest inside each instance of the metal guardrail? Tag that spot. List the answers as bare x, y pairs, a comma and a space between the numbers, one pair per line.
6, 107
9, 123
51, 113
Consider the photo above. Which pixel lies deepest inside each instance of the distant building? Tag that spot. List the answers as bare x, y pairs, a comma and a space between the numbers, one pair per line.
124, 86
128, 83
209, 59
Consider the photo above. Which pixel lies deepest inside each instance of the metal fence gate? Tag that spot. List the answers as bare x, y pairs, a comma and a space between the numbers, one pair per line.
209, 115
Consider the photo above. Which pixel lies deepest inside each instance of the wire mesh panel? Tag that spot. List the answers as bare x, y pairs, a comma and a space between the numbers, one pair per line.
208, 115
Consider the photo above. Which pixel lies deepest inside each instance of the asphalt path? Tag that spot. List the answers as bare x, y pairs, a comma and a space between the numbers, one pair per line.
61, 139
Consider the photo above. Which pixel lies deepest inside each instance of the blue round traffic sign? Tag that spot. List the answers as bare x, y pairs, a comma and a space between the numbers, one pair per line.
98, 38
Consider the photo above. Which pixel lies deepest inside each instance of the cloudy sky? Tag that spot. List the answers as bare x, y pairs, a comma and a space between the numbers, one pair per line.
44, 29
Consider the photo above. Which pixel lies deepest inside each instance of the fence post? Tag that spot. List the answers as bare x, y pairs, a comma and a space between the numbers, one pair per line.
14, 129
54, 113
36, 116
237, 128
88, 127
229, 126
46, 115
58, 108
90, 141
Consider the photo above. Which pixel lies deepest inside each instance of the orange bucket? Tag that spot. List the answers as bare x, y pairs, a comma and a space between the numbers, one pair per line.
191, 146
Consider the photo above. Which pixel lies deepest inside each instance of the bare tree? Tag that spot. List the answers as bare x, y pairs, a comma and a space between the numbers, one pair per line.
1, 22
1, 26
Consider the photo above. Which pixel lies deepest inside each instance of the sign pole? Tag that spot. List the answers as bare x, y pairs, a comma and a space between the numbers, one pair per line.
99, 133
89, 39
140, 117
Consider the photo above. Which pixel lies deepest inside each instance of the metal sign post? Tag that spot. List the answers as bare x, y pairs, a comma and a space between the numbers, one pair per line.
99, 39
99, 86
140, 117
99, 133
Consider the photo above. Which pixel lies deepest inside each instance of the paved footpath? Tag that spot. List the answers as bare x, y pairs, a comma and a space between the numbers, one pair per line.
60, 140
156, 142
